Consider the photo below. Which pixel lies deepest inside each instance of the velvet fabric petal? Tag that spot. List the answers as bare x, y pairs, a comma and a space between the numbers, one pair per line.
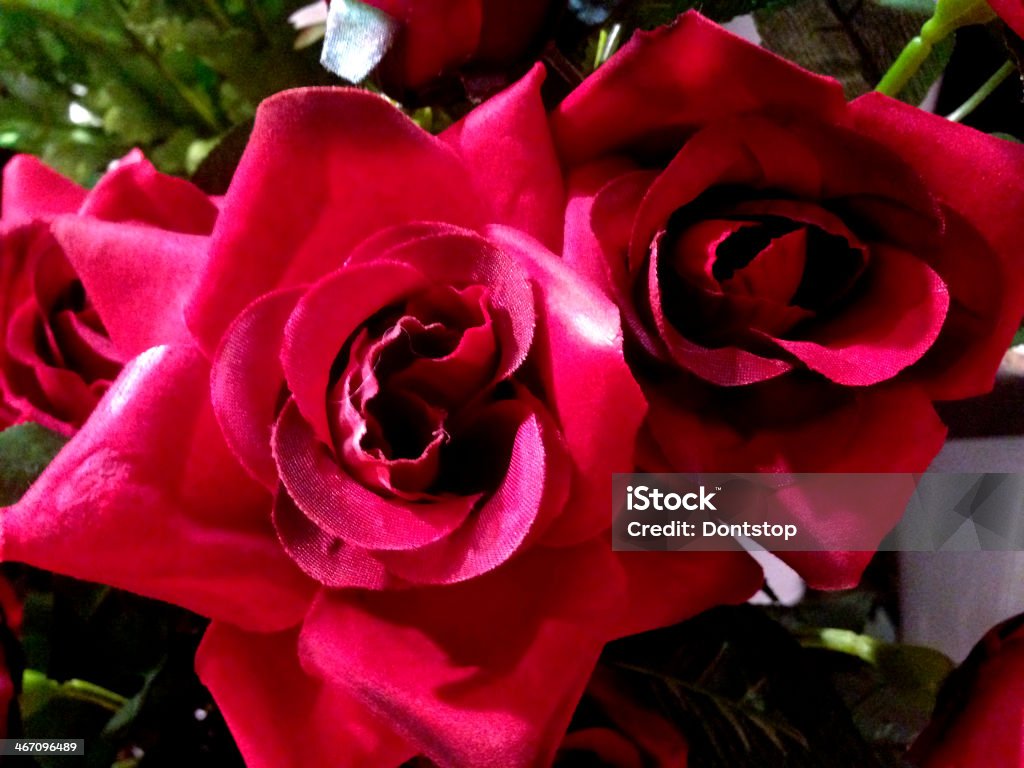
578, 349
340, 505
666, 588
147, 498
888, 327
323, 321
32, 190
324, 169
247, 381
483, 673
677, 78
137, 277
281, 717
134, 191
978, 178
506, 144
802, 426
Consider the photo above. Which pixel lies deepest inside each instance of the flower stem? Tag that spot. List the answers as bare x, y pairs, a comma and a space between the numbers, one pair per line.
982, 93
948, 17
910, 60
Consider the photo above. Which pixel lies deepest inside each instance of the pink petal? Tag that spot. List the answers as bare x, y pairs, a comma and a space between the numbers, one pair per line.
247, 381
148, 498
483, 673
135, 192
588, 386
343, 507
978, 178
138, 278
679, 77
323, 321
887, 328
32, 190
506, 143
495, 531
324, 169
282, 718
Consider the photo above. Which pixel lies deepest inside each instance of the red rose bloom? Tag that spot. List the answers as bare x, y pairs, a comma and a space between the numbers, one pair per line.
438, 37
56, 240
979, 717
800, 279
402, 534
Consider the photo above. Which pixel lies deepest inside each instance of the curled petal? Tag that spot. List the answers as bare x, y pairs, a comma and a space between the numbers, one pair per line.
247, 380
325, 168
339, 505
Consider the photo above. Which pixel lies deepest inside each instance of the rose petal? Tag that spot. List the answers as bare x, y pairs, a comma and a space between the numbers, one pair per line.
978, 179
32, 190
282, 718
148, 498
484, 673
323, 321
497, 529
887, 328
669, 81
247, 381
437, 35
798, 424
506, 143
588, 386
344, 508
325, 558
964, 360
666, 588
138, 278
324, 169
135, 192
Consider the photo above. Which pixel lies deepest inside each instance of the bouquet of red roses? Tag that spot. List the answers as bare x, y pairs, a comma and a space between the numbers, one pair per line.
362, 411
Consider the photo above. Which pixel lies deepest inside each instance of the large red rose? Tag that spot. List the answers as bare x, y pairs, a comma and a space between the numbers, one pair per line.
402, 534
438, 37
68, 259
800, 278
979, 717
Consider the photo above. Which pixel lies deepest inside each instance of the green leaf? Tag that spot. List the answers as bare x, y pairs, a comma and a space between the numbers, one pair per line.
25, 450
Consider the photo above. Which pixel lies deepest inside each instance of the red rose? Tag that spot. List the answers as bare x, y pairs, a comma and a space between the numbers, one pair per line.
979, 716
800, 278
428, 406
438, 37
67, 257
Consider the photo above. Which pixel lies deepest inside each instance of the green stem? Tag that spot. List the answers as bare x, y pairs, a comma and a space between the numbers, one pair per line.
982, 93
81, 690
902, 71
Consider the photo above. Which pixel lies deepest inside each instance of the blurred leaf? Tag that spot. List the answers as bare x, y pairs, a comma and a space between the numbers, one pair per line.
854, 41
25, 450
